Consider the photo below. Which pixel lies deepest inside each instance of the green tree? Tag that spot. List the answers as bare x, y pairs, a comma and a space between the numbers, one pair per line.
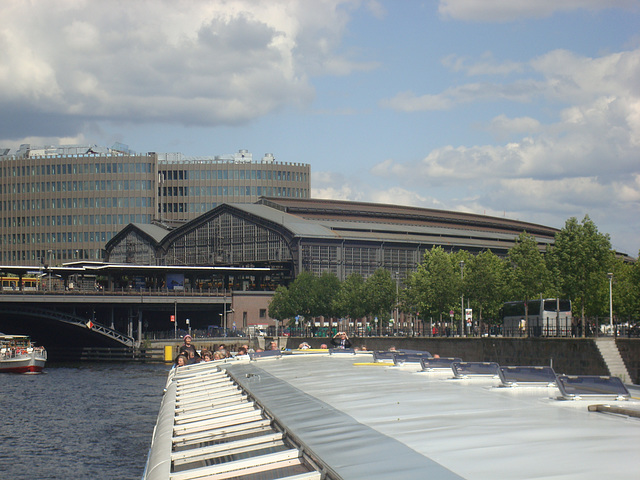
328, 286
582, 257
624, 291
485, 284
350, 301
529, 272
433, 288
303, 293
635, 287
280, 305
380, 293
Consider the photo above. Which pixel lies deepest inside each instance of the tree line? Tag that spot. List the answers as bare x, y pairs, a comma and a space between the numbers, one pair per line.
577, 267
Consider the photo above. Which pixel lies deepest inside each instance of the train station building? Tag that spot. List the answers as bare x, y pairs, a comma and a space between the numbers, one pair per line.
293, 235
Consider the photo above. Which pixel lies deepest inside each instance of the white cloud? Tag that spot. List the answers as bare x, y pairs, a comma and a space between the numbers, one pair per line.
509, 10
518, 91
586, 162
503, 127
487, 65
334, 186
403, 196
196, 62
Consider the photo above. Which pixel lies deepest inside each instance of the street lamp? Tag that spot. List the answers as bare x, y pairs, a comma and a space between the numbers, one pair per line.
49, 251
461, 299
225, 318
610, 275
397, 300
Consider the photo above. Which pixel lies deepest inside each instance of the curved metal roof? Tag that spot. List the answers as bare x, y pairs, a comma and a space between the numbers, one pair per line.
346, 417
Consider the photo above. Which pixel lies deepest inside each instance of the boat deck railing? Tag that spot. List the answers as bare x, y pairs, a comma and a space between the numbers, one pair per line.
220, 432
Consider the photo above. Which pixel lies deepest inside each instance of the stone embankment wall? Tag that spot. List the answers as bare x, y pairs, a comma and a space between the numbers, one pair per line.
630, 351
572, 356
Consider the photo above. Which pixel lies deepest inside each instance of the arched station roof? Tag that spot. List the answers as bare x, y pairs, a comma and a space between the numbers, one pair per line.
318, 235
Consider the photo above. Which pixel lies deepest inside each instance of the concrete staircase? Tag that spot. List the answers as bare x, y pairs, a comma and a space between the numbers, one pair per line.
611, 355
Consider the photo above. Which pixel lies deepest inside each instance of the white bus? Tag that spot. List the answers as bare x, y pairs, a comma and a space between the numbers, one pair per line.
548, 317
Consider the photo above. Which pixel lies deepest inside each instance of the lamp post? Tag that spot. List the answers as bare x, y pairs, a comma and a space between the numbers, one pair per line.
49, 252
461, 298
397, 299
610, 275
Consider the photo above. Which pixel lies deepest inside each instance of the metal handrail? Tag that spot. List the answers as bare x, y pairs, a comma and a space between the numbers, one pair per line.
81, 322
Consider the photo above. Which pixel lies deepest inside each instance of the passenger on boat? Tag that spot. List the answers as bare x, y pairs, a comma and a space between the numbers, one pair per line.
192, 358
187, 349
206, 355
242, 351
273, 346
304, 346
222, 349
340, 340
181, 361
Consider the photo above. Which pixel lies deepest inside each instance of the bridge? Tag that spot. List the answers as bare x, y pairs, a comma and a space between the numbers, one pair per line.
65, 319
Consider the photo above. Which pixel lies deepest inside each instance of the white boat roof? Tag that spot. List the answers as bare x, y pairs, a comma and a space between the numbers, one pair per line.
360, 420
13, 337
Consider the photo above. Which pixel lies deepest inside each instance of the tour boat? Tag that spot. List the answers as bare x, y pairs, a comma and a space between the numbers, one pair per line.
19, 355
346, 415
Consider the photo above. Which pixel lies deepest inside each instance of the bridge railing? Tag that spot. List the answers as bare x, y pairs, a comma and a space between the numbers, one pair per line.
154, 292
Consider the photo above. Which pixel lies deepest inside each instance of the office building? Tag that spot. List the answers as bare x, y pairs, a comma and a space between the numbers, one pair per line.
64, 203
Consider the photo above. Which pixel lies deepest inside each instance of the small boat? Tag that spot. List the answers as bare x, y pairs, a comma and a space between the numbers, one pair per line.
19, 355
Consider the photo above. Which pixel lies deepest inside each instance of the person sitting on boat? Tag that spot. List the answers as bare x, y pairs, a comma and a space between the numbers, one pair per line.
273, 346
181, 361
222, 350
340, 340
206, 355
187, 349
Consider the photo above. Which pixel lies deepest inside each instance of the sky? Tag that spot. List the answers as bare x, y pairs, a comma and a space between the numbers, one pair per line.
521, 109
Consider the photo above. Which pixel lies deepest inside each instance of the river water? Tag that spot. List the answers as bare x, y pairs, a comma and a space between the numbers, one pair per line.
81, 421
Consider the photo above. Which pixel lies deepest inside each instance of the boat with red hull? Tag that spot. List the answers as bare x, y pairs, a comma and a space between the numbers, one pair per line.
19, 355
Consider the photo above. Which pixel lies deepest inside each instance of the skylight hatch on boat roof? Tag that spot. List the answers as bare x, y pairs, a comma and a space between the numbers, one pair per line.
338, 351
574, 387
438, 363
265, 354
469, 369
400, 358
382, 356
528, 376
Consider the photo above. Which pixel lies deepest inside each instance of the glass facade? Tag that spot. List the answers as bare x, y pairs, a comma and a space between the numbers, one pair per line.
60, 204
